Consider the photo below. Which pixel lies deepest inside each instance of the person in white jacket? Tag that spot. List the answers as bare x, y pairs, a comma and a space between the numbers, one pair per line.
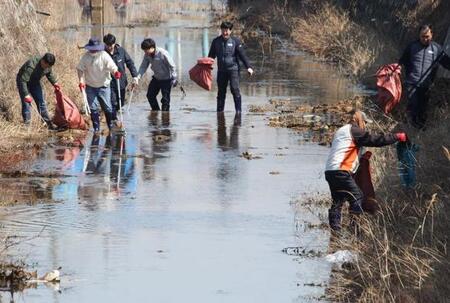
94, 73
343, 162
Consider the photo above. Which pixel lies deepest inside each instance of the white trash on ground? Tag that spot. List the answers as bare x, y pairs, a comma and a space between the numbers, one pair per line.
342, 256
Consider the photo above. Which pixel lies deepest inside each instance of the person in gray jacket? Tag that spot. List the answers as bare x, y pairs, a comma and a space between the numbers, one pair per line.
164, 74
420, 60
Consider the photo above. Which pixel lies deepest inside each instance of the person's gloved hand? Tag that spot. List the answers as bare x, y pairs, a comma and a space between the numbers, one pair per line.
250, 71
174, 82
135, 82
401, 137
57, 87
28, 99
82, 86
117, 75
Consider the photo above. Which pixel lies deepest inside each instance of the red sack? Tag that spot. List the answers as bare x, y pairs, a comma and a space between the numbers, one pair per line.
67, 114
389, 86
364, 181
201, 73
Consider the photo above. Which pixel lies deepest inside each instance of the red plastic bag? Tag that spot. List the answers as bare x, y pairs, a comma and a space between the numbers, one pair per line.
201, 73
67, 114
364, 181
389, 86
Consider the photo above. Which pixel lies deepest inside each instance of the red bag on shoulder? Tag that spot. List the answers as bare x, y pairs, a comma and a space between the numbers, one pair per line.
67, 114
201, 73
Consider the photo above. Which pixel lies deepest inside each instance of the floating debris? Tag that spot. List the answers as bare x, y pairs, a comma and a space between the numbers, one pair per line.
247, 155
302, 252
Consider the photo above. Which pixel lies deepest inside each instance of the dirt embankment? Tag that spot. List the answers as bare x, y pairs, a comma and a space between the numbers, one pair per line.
403, 253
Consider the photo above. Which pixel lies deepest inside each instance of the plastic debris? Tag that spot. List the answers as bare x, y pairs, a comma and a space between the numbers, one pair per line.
342, 256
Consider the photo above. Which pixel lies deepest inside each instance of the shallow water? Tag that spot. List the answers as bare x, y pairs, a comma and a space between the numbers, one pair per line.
171, 211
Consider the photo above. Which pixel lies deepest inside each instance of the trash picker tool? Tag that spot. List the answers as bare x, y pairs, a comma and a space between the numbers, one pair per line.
129, 100
85, 101
120, 102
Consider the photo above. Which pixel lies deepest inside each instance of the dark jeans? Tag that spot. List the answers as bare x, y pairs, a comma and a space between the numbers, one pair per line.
417, 104
165, 86
223, 77
115, 97
343, 188
35, 90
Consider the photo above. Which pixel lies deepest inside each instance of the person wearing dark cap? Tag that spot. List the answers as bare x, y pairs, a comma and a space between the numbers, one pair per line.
94, 73
164, 73
343, 161
29, 85
228, 50
122, 59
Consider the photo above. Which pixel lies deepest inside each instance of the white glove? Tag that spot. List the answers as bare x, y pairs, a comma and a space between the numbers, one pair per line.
136, 80
250, 71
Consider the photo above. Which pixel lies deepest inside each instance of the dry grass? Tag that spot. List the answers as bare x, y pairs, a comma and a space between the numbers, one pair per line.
24, 34
328, 34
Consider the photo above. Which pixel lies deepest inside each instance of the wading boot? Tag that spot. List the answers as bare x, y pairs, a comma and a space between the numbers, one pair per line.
334, 218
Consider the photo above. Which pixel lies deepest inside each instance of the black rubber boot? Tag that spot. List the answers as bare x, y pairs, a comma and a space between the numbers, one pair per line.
334, 218
109, 119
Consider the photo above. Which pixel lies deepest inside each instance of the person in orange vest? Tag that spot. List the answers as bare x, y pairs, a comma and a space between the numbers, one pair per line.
343, 161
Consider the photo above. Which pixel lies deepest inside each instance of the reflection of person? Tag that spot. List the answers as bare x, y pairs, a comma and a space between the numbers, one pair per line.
29, 85
164, 74
419, 60
161, 132
228, 50
222, 139
122, 59
94, 72
343, 161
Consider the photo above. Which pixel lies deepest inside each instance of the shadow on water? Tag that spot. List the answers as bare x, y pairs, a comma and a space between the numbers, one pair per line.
171, 211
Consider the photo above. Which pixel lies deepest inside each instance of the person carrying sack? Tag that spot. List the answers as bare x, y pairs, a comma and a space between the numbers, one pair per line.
343, 161
29, 86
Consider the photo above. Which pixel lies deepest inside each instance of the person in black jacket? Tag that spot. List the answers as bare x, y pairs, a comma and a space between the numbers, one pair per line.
420, 60
121, 58
228, 50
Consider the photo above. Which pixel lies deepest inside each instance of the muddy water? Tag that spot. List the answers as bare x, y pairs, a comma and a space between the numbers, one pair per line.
171, 212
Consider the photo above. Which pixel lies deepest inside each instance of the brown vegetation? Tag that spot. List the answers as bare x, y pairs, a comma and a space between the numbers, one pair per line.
24, 34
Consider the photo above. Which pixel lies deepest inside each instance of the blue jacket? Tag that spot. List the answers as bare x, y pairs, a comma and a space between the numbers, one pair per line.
228, 53
417, 59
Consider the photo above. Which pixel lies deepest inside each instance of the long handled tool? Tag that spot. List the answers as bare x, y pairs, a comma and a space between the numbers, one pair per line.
38, 114
129, 100
85, 101
120, 162
120, 103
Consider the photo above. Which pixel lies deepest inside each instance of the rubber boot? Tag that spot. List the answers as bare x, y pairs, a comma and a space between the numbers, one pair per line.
109, 119
334, 218
95, 117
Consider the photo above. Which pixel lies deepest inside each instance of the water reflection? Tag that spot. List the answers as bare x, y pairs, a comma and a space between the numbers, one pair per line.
224, 141
111, 163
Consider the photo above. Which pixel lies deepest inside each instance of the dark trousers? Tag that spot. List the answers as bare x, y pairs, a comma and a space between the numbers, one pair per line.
223, 77
115, 100
165, 86
417, 104
343, 188
35, 90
